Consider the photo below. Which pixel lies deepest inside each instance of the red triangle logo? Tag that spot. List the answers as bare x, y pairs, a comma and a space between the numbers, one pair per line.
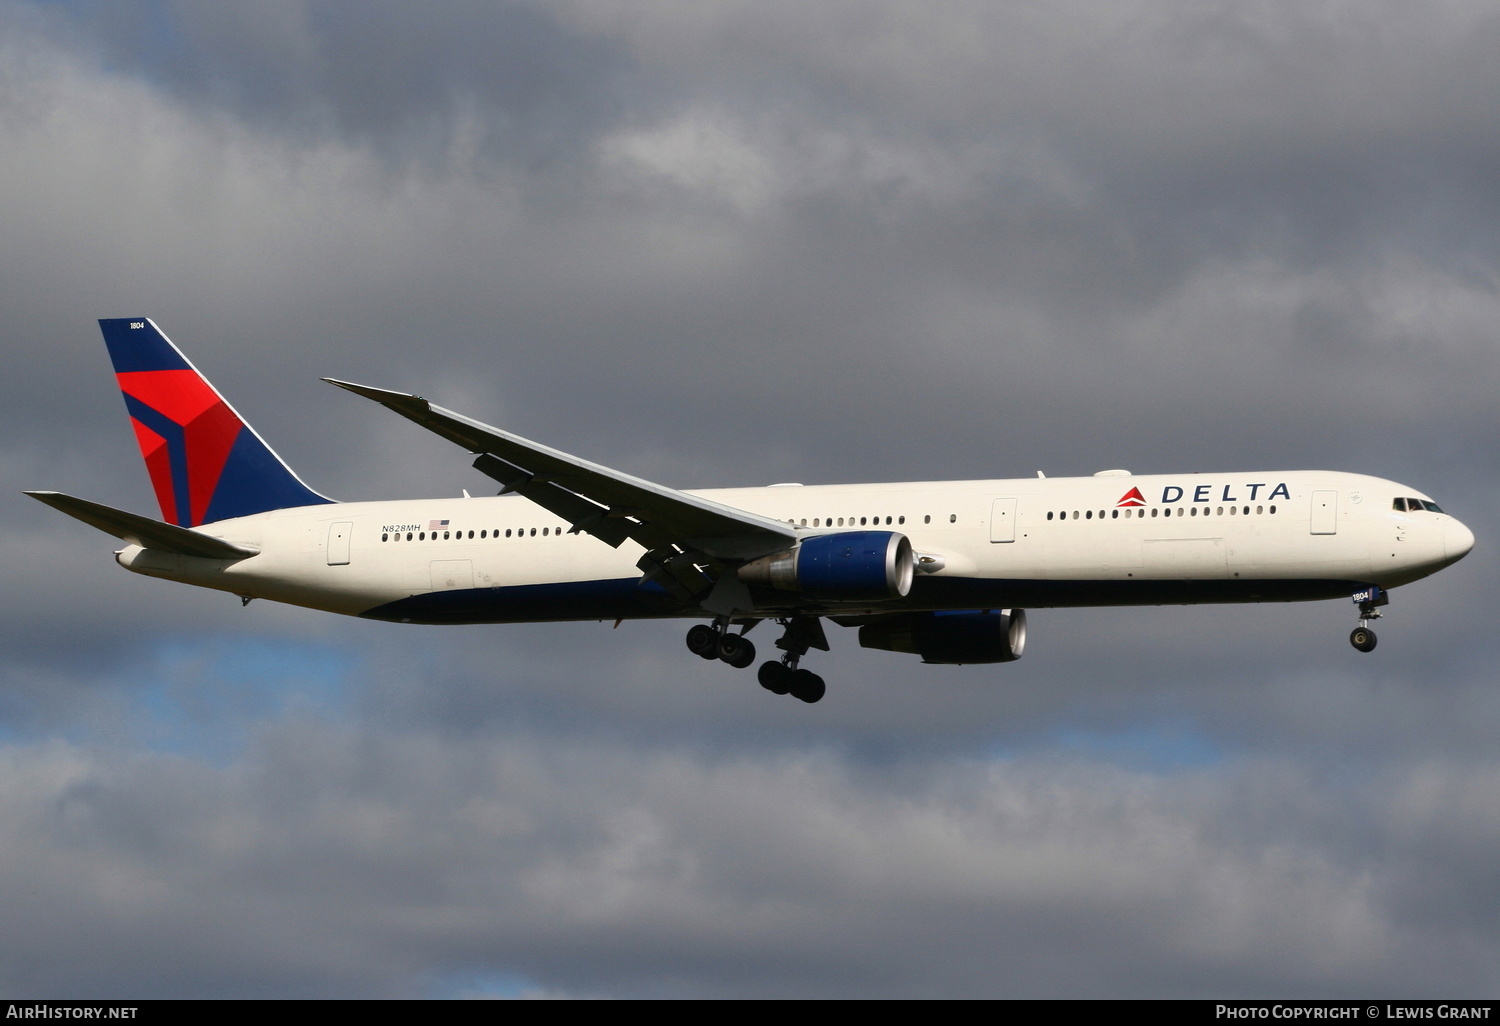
1132, 498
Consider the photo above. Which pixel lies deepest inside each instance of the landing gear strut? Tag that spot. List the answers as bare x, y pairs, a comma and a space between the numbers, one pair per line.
1369, 601
784, 678
717, 643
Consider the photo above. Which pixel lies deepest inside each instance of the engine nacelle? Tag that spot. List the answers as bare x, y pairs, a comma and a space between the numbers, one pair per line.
855, 566
968, 636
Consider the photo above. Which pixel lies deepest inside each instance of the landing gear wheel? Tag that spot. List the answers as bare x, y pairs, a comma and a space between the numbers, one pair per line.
1363, 639
807, 686
736, 650
703, 640
774, 677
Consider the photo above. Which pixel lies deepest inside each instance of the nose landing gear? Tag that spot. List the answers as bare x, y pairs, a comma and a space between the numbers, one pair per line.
1369, 601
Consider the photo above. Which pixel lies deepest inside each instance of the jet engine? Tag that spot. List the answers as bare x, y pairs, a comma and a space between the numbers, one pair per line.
964, 636
854, 566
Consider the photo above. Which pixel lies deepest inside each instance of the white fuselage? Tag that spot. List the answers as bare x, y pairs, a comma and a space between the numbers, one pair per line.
1111, 539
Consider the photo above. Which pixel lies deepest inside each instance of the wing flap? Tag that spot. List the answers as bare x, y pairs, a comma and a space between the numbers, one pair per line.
585, 515
143, 531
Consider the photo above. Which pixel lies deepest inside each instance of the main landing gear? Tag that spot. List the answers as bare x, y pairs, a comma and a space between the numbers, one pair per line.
1369, 601
779, 677
784, 678
717, 643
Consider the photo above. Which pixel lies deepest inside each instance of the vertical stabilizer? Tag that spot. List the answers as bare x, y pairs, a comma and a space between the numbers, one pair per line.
205, 462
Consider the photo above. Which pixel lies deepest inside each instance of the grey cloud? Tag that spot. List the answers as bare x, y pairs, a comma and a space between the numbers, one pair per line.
350, 863
412, 83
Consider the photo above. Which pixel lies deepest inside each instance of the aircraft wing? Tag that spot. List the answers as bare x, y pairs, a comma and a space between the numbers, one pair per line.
678, 530
143, 531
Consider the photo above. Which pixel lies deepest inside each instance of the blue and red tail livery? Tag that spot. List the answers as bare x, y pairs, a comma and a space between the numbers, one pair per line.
206, 463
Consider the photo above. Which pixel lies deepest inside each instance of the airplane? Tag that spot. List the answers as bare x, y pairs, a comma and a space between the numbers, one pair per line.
944, 570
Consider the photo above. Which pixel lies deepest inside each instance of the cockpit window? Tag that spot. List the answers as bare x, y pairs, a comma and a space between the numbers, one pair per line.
1429, 505
1399, 505
1416, 505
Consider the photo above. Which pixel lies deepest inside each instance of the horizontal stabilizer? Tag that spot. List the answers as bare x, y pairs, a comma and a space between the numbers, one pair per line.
143, 531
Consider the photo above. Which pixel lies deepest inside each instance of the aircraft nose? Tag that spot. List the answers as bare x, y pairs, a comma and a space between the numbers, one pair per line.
1457, 539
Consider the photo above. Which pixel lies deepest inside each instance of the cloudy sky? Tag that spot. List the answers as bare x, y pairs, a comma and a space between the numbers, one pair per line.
719, 243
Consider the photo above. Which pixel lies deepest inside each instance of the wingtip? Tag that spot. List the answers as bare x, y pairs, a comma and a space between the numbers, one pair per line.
379, 395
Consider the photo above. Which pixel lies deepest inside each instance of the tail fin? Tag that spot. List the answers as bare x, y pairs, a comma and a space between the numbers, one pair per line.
206, 463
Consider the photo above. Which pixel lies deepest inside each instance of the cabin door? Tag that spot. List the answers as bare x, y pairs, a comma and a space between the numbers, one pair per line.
1325, 511
338, 543
1003, 520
